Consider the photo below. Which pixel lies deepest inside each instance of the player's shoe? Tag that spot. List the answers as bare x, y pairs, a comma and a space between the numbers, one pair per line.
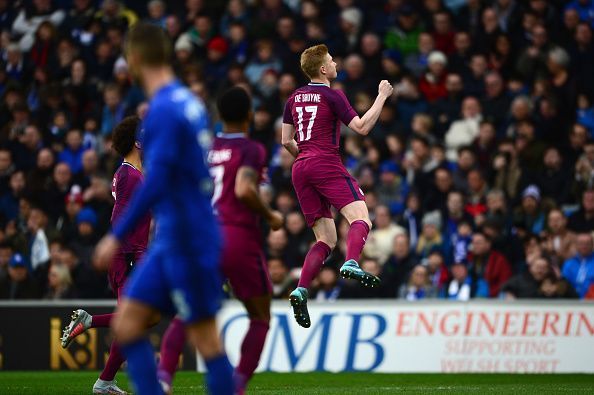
80, 321
298, 300
351, 270
165, 380
107, 387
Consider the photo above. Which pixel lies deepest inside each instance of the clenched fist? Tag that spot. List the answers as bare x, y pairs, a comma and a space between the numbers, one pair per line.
385, 89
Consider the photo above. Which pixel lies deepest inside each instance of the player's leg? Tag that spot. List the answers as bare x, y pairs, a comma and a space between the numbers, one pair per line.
357, 215
146, 294
106, 383
130, 329
344, 193
244, 265
258, 309
172, 346
204, 336
325, 232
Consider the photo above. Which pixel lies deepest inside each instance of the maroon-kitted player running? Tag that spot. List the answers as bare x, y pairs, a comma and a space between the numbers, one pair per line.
127, 178
311, 133
236, 164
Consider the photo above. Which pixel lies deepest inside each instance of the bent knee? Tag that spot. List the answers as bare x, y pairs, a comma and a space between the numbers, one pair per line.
126, 330
329, 241
368, 222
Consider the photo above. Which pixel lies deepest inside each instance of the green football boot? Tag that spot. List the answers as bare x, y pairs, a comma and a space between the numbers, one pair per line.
298, 300
351, 270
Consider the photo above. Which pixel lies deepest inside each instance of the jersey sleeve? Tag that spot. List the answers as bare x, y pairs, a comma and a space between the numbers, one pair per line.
288, 115
342, 108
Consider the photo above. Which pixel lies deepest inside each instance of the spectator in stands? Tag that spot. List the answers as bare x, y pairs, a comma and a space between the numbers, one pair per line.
553, 287
583, 219
464, 131
73, 152
474, 80
476, 204
282, 284
328, 287
9, 201
437, 271
485, 145
419, 286
530, 213
86, 236
460, 286
392, 187
19, 284
381, 238
433, 82
584, 168
554, 181
411, 219
113, 111
527, 285
447, 109
579, 270
30, 18
397, 268
404, 35
38, 240
418, 61
298, 239
6, 252
113, 12
431, 239
558, 240
87, 283
508, 172
59, 283
263, 61
488, 268
496, 103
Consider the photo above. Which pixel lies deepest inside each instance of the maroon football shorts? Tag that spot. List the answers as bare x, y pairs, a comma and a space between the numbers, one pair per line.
120, 268
320, 183
243, 262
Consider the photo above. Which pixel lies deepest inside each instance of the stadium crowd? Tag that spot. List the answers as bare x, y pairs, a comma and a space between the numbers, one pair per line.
479, 176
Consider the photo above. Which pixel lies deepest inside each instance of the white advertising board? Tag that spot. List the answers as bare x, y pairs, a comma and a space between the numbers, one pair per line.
380, 336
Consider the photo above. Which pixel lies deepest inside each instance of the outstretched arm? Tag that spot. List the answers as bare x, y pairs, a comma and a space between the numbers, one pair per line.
364, 124
246, 190
288, 139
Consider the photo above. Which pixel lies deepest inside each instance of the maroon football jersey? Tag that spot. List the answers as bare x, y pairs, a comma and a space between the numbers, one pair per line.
125, 181
229, 152
316, 111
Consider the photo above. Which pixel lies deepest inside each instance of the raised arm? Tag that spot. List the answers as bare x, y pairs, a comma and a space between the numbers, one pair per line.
363, 125
288, 139
246, 190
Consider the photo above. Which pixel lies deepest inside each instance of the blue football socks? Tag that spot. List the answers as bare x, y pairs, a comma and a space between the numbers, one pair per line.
142, 367
219, 378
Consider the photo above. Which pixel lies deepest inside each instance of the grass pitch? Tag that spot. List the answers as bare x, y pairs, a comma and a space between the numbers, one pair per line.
322, 383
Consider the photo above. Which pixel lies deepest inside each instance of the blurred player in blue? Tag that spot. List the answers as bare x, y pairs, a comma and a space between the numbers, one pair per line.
181, 271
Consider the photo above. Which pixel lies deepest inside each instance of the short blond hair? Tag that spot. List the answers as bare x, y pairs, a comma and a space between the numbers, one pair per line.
312, 59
